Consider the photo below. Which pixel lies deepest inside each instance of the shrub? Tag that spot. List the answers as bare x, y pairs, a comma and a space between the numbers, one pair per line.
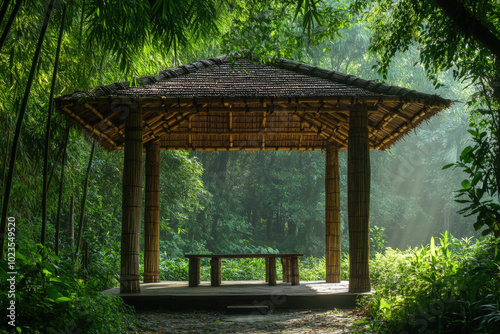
50, 299
450, 288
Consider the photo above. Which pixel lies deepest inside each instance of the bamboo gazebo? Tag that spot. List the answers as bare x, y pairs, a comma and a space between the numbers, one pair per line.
234, 103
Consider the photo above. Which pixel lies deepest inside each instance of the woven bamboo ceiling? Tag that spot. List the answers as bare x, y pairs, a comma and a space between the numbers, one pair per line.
233, 103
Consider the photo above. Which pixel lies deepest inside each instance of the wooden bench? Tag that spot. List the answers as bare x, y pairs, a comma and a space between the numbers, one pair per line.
290, 264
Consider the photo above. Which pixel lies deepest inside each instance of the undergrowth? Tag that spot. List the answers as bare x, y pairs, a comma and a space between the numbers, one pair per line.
452, 286
49, 298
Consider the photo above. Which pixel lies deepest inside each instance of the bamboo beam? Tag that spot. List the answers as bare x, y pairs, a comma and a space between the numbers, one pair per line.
98, 134
312, 125
105, 120
358, 198
131, 203
404, 128
152, 214
246, 148
256, 132
332, 215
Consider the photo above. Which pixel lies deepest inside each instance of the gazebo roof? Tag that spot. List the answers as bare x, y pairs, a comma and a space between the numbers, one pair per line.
235, 103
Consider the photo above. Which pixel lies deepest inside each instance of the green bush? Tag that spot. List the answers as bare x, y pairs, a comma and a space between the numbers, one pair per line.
450, 288
50, 299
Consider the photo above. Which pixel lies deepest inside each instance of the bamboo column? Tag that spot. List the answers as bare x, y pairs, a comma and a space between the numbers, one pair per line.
131, 203
152, 214
332, 215
358, 196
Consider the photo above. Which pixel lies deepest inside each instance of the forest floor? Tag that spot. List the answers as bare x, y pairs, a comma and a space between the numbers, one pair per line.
289, 321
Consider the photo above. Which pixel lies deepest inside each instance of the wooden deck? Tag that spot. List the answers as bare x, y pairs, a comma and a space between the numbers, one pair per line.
179, 296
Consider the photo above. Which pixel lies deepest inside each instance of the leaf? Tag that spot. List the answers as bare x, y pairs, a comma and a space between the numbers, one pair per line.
62, 300
433, 247
465, 152
472, 132
447, 166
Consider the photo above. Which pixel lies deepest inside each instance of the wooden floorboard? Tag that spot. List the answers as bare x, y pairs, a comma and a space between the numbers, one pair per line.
179, 296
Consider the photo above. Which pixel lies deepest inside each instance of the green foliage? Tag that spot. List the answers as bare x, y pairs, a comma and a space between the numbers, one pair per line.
399, 25
479, 192
450, 288
50, 299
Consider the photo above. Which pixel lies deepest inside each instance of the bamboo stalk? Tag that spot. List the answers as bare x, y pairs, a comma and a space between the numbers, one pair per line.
72, 221
332, 215
20, 118
358, 196
61, 184
131, 203
152, 214
45, 187
84, 201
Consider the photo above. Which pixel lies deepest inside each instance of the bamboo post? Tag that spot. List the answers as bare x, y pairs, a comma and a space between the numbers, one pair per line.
271, 271
332, 215
358, 195
152, 214
131, 203
216, 271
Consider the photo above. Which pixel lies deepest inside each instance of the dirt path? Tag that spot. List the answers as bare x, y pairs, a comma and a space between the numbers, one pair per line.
299, 321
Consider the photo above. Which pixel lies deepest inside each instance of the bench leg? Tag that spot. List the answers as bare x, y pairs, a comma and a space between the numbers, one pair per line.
283, 269
295, 271
271, 272
216, 271
194, 272
267, 269
288, 269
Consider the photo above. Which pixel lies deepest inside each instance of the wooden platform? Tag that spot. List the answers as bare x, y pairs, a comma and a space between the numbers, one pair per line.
179, 296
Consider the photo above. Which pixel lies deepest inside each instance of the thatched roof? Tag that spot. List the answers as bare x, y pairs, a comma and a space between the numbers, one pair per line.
234, 103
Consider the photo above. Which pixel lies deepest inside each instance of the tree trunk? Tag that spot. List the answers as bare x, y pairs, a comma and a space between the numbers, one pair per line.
61, 184
5, 162
332, 215
470, 25
72, 221
84, 200
358, 196
131, 203
17, 134
219, 188
152, 214
45, 189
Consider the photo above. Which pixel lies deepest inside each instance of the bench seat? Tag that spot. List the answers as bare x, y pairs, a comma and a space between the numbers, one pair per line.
290, 264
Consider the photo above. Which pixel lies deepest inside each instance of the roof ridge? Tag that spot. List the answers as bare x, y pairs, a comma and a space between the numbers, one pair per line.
352, 80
